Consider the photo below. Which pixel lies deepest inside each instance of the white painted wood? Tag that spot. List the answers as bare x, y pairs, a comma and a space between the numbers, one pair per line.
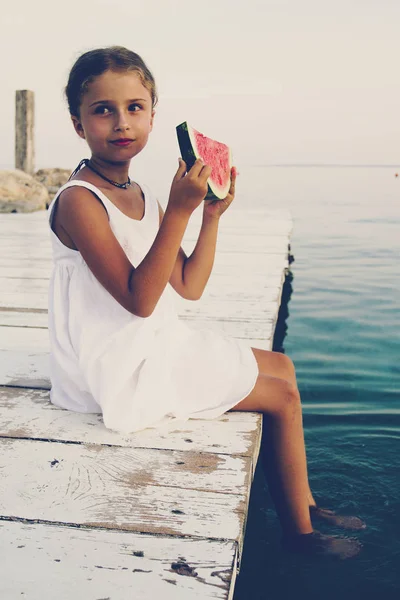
124, 488
235, 258
236, 309
38, 300
108, 480
277, 219
24, 339
23, 368
227, 241
225, 262
257, 285
15, 300
28, 413
247, 312
131, 467
246, 330
41, 561
25, 268
241, 329
24, 351
234, 242
22, 319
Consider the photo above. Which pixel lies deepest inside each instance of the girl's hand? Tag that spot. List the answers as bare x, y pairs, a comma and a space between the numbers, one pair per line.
188, 191
215, 208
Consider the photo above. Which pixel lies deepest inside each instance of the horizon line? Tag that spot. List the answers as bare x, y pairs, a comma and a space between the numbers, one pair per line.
332, 165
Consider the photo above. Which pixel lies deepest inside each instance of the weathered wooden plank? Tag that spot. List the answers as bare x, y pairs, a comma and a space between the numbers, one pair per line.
252, 247
28, 287
19, 271
24, 351
240, 329
28, 413
24, 357
41, 561
23, 368
118, 488
21, 300
33, 341
133, 466
24, 243
246, 330
271, 232
243, 231
226, 263
278, 218
27, 339
22, 319
236, 309
241, 224
221, 285
270, 221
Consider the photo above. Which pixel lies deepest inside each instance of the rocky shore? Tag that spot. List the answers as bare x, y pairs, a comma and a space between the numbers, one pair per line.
20, 192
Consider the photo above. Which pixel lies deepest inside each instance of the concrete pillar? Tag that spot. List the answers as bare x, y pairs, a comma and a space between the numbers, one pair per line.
24, 131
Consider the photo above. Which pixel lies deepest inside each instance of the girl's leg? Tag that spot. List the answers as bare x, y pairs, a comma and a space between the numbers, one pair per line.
279, 401
280, 365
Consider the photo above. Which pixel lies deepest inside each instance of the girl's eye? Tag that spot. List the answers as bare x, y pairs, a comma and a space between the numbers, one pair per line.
101, 110
104, 110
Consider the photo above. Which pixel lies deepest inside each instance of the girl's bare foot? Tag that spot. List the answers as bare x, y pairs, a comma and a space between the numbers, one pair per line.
317, 543
343, 521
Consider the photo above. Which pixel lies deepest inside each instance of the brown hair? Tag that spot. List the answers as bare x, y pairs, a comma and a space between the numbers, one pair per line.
93, 63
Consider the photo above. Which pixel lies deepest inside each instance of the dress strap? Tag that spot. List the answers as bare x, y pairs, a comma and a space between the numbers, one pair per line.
151, 214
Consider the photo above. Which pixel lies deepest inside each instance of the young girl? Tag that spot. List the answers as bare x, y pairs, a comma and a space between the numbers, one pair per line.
117, 344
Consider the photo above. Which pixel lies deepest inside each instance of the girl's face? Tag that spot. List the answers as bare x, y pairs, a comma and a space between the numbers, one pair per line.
116, 106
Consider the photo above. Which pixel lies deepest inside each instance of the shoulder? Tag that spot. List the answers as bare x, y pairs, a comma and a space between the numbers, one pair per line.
77, 200
78, 212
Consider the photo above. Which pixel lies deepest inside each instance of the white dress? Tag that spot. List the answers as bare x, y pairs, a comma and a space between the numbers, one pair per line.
138, 372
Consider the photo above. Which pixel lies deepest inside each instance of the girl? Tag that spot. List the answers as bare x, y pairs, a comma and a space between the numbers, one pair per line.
117, 345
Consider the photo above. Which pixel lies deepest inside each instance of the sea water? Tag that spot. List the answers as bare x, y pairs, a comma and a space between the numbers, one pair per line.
343, 334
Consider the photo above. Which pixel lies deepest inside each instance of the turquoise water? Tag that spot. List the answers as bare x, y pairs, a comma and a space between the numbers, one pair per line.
343, 336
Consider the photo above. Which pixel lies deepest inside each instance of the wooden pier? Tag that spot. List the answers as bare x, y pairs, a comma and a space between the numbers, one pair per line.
90, 514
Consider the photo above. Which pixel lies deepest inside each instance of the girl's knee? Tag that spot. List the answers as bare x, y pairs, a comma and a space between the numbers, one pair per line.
288, 364
271, 395
275, 364
286, 400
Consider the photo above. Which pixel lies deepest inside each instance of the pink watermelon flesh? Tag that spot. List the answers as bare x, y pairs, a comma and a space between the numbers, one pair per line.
217, 156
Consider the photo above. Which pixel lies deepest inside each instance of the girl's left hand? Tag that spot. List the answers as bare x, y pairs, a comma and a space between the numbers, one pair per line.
215, 208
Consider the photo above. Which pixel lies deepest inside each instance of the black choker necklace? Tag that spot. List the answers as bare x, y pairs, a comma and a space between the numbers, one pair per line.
85, 162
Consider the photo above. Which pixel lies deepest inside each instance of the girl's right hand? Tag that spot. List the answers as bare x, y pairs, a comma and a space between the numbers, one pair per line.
188, 191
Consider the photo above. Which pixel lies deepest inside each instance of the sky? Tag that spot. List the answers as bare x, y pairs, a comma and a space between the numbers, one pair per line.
279, 81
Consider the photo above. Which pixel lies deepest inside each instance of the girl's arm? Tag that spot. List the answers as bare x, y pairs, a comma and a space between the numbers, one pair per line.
197, 268
190, 274
85, 220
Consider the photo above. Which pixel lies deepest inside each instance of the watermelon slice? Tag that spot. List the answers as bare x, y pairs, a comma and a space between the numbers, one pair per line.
193, 145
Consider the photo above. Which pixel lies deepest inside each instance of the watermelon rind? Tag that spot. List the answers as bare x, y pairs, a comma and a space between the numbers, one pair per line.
189, 153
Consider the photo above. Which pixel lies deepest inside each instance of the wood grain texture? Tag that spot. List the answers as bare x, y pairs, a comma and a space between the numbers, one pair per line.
41, 561
28, 413
124, 488
178, 495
